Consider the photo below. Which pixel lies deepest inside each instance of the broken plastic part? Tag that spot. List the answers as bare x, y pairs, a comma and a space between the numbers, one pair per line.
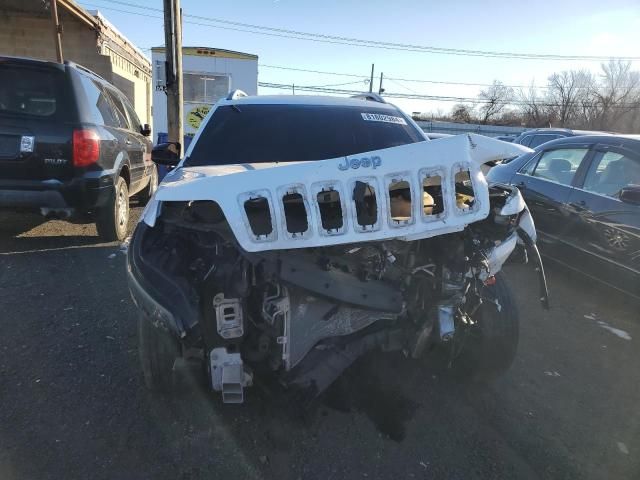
446, 322
364, 197
465, 195
432, 199
400, 200
259, 216
295, 213
330, 209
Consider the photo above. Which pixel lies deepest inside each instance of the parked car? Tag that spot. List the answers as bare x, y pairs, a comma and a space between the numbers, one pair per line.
584, 194
71, 144
538, 136
300, 232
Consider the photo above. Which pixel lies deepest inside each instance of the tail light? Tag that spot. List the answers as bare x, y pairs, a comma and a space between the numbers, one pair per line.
86, 147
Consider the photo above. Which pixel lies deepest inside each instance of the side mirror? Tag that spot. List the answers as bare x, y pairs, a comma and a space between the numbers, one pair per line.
630, 194
145, 130
166, 154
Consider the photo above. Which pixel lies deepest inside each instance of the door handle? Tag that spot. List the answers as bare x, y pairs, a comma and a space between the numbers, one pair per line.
521, 185
581, 205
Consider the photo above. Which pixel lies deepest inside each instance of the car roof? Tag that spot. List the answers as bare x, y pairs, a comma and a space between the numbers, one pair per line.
566, 131
609, 139
30, 61
60, 66
546, 130
307, 100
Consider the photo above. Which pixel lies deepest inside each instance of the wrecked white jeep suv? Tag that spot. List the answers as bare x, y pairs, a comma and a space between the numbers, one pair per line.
298, 233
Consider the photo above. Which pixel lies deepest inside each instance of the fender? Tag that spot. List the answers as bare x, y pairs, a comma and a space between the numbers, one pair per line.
122, 160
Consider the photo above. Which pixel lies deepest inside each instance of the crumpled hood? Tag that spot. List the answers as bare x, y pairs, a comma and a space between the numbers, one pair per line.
232, 185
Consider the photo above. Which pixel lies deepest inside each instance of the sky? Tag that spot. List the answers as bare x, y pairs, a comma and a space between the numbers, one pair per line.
566, 27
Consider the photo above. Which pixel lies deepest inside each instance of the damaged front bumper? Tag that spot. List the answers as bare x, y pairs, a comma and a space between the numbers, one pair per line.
307, 304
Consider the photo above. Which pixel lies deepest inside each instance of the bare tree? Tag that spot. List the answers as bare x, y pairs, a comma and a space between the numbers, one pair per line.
566, 92
616, 97
495, 99
534, 110
462, 113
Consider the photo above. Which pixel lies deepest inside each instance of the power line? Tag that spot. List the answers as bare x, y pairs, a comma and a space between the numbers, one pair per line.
306, 70
477, 101
335, 39
415, 96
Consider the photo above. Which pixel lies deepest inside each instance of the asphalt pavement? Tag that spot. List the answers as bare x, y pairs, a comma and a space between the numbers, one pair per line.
73, 404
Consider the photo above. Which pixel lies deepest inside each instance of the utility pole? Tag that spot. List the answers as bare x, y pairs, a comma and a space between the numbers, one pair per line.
173, 70
57, 30
371, 81
380, 89
293, 88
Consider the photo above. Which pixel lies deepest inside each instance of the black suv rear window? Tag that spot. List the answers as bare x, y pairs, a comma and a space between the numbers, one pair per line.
30, 91
289, 133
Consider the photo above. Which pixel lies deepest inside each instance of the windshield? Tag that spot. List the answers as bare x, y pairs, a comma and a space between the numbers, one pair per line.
289, 133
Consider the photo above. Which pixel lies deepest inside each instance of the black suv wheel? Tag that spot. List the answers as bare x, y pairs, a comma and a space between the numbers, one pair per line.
112, 220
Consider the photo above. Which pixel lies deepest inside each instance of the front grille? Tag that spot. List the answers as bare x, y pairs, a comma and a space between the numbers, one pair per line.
9, 146
362, 204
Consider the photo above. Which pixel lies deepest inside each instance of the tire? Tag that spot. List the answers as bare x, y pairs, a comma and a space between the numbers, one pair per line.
145, 195
112, 220
489, 347
158, 351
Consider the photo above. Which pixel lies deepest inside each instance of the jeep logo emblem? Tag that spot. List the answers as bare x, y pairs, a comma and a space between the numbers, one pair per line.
364, 162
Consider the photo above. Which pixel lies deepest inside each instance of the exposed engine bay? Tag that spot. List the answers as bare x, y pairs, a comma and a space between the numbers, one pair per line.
306, 314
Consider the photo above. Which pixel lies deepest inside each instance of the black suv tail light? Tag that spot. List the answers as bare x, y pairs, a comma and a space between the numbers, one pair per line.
86, 147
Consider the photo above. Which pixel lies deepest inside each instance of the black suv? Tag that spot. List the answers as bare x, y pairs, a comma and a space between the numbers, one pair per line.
71, 144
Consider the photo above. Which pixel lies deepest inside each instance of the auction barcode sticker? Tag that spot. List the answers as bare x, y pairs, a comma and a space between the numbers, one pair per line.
378, 117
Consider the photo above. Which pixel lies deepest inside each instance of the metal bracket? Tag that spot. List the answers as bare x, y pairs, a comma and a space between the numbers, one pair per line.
228, 316
228, 375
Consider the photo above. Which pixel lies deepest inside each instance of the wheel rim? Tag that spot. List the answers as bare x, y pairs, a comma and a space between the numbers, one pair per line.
122, 209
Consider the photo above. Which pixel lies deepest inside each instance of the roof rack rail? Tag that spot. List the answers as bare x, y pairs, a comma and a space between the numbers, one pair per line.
84, 69
370, 96
236, 94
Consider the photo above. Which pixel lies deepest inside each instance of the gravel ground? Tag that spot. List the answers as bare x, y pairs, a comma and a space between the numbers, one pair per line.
73, 404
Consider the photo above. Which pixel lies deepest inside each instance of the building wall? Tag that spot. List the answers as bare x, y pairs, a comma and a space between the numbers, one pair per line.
30, 35
133, 82
24, 35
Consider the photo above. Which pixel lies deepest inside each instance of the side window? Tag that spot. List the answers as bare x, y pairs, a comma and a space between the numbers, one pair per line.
610, 172
525, 140
540, 139
134, 121
530, 166
119, 109
99, 105
559, 165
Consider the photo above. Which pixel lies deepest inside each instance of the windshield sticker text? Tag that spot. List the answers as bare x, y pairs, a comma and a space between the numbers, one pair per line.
377, 117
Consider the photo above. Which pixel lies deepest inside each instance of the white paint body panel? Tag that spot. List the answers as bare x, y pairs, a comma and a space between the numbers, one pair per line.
230, 185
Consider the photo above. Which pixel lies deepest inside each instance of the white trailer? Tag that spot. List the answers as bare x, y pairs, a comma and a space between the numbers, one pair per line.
209, 74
